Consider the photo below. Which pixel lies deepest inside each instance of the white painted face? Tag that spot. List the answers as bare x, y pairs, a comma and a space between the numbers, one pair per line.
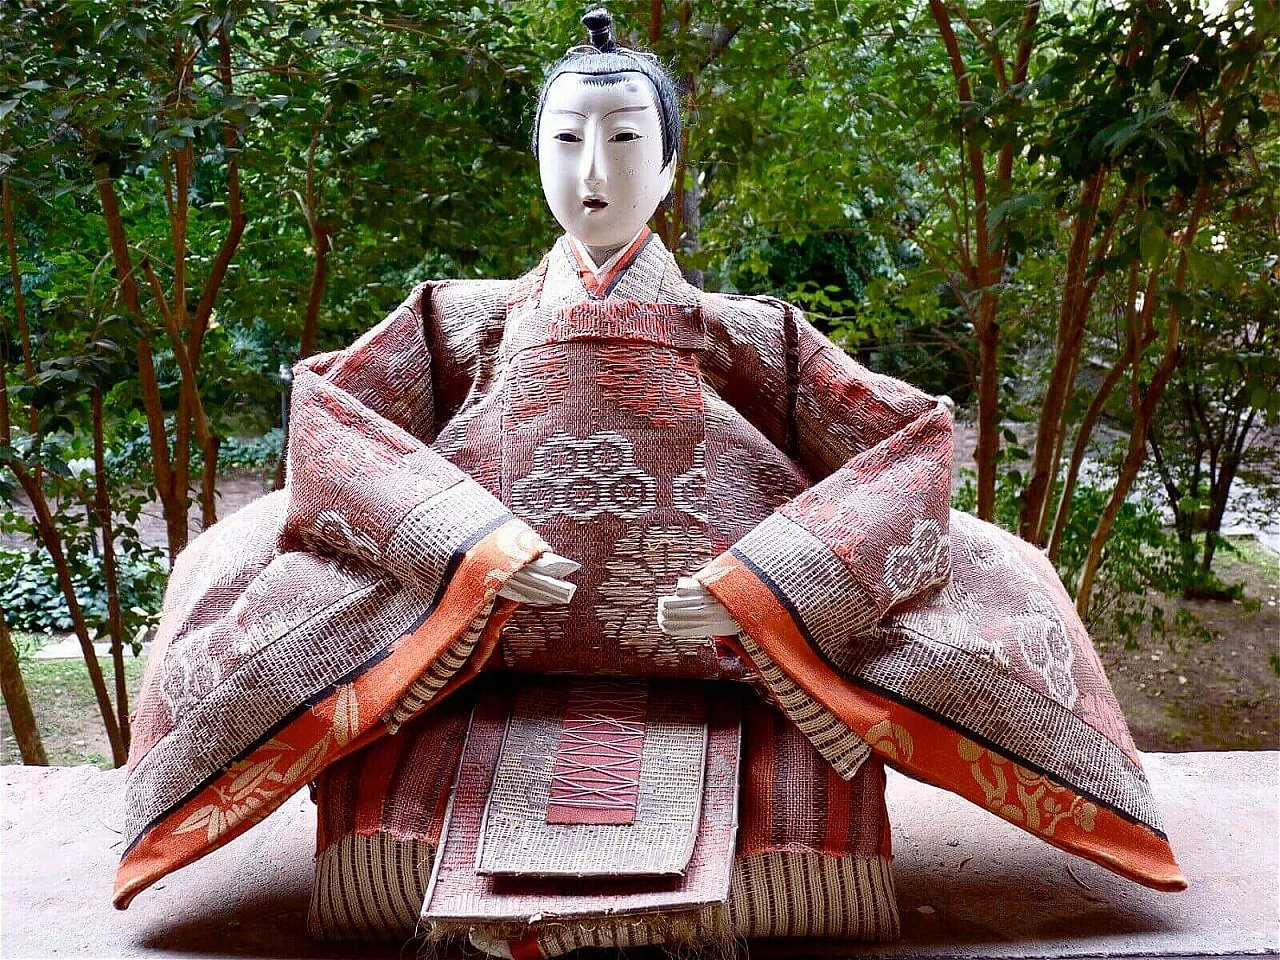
600, 157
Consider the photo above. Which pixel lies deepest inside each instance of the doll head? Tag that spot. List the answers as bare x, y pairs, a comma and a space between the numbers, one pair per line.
605, 137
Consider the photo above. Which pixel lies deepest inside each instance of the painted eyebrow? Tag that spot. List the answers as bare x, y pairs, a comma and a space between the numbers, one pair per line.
633, 109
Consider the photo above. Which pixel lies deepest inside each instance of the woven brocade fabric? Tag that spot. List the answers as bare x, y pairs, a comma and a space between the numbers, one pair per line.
813, 849
293, 627
648, 431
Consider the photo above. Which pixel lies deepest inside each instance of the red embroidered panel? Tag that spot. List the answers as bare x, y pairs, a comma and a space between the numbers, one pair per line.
596, 778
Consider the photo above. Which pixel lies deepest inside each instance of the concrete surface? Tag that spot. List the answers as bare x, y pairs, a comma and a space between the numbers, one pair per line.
969, 885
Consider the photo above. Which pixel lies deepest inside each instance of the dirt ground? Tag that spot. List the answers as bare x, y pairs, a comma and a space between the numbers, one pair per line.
1223, 694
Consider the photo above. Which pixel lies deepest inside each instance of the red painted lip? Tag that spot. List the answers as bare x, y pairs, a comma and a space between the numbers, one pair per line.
595, 203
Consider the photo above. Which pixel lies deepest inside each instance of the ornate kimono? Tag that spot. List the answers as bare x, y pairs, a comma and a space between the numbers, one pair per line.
603, 783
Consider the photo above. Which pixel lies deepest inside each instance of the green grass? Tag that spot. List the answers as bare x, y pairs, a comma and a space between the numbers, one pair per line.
66, 712
1249, 550
27, 642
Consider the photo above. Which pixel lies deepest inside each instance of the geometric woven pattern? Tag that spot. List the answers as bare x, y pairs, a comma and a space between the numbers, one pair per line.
596, 778
634, 816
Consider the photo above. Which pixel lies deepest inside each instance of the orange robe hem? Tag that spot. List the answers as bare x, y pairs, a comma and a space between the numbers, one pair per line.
928, 750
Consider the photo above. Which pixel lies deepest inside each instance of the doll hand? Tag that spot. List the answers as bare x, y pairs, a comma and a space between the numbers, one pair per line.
692, 612
540, 583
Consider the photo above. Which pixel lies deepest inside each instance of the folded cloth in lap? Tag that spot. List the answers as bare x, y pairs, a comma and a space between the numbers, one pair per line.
812, 859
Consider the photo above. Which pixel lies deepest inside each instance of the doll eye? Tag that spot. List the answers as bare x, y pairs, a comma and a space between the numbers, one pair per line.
624, 136
567, 137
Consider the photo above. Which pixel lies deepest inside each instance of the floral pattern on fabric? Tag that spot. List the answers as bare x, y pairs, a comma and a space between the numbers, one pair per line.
544, 386
659, 385
644, 558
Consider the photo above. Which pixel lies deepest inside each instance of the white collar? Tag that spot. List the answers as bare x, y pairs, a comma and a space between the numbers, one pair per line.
608, 264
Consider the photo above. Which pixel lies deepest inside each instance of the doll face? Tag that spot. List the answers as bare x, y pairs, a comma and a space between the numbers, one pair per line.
600, 156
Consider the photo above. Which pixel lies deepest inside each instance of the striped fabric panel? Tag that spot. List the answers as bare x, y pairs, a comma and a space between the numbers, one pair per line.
809, 895
773, 895
439, 673
794, 801
398, 785
369, 888
840, 746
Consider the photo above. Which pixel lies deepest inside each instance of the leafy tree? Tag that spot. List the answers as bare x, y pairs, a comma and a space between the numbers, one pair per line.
1226, 389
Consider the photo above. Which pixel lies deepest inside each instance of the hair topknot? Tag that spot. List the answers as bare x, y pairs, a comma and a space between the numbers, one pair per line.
600, 30
604, 61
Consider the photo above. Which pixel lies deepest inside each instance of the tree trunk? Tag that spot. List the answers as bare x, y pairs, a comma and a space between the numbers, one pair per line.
53, 543
14, 690
691, 242
1144, 407
174, 508
984, 271
319, 276
17, 704
987, 453
1096, 406
172, 470
1072, 321
1222, 489
115, 621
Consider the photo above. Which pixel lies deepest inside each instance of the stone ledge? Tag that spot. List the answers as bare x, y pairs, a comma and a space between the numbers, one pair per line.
969, 885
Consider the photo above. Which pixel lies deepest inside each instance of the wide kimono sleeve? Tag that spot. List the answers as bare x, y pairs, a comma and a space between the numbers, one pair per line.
950, 647
311, 621
872, 532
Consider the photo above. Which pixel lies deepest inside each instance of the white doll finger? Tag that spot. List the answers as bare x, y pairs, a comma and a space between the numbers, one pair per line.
534, 578
542, 591
555, 565
706, 624
684, 603
689, 587
698, 623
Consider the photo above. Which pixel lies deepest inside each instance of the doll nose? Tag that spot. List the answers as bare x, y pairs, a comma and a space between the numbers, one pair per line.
592, 163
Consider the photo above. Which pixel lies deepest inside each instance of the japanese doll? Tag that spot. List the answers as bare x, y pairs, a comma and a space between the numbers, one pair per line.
595, 604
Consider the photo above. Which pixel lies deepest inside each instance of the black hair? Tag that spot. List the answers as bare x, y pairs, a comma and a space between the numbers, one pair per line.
604, 62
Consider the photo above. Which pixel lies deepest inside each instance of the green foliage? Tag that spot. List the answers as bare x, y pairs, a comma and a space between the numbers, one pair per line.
33, 601
248, 453
129, 459
828, 150
30, 597
855, 289
1224, 398
25, 643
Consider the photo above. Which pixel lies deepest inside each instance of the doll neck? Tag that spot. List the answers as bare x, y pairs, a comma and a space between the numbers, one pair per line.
600, 259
